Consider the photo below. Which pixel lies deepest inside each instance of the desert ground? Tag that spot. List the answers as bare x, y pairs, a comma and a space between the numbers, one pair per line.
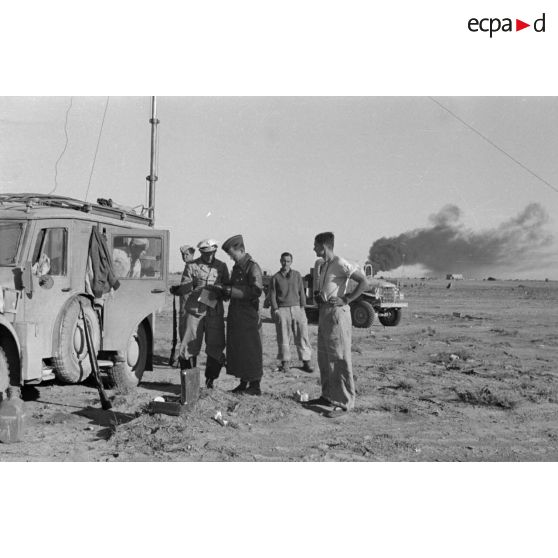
469, 375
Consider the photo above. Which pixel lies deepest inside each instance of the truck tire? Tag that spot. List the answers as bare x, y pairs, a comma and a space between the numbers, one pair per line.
4, 371
312, 315
9, 364
71, 359
362, 313
392, 316
126, 375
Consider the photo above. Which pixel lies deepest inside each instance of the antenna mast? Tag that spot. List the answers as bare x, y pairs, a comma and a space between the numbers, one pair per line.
152, 178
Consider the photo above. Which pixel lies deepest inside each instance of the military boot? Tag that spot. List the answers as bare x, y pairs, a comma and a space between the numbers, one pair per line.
212, 370
254, 388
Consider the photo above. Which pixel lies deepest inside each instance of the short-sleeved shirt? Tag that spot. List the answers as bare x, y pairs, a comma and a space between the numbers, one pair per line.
200, 274
334, 277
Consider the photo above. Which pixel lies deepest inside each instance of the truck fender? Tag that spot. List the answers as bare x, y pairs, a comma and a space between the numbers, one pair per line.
11, 331
10, 343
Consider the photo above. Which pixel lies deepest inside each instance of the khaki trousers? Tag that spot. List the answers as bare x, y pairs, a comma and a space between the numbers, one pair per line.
212, 327
292, 319
334, 355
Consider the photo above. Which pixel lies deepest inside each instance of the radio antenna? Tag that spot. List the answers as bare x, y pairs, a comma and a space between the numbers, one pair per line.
152, 178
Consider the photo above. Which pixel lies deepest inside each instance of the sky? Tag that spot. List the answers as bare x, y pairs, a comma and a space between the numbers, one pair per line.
279, 170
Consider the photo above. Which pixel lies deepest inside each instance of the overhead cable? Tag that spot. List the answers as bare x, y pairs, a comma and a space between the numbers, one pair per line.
494, 145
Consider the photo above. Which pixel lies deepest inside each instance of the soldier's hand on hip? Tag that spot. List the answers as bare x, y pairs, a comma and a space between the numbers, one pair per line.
337, 301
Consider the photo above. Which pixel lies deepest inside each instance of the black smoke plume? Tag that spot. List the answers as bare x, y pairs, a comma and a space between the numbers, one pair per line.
448, 247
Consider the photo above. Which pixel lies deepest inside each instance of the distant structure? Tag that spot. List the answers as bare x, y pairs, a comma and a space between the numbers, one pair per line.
454, 276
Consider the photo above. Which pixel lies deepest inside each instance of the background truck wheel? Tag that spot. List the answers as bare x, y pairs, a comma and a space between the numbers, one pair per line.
71, 360
391, 317
312, 315
127, 375
362, 313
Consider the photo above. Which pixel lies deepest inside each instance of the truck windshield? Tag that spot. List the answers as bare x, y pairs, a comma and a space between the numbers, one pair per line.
10, 235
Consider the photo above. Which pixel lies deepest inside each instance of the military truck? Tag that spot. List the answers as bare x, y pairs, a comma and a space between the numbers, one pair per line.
382, 299
67, 265
45, 274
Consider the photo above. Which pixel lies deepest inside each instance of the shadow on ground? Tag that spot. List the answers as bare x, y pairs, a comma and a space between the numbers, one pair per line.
108, 419
161, 386
160, 360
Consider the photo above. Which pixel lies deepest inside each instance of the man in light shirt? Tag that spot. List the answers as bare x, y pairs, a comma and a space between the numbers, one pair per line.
335, 326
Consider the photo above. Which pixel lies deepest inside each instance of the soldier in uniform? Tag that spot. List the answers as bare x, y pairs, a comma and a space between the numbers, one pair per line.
244, 341
205, 316
187, 251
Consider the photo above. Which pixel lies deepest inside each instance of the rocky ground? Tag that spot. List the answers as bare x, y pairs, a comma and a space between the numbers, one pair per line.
468, 375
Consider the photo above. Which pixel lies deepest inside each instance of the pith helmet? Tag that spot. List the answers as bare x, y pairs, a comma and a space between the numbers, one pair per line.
140, 242
187, 248
208, 245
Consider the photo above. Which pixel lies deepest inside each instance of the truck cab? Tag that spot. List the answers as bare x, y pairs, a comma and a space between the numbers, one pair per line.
47, 266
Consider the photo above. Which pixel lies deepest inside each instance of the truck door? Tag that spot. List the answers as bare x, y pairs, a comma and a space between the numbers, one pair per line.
49, 254
140, 263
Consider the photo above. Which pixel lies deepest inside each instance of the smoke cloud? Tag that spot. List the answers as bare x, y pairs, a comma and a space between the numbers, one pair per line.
448, 247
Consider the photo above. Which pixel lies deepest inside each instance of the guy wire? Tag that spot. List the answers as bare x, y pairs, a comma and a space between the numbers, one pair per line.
493, 144
63, 150
97, 148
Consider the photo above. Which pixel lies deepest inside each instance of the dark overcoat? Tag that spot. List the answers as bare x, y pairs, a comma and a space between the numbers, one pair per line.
244, 328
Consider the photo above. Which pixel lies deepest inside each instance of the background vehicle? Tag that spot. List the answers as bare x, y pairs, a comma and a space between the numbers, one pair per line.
45, 270
382, 298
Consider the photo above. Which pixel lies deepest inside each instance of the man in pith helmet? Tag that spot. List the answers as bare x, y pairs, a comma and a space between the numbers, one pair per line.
187, 252
205, 315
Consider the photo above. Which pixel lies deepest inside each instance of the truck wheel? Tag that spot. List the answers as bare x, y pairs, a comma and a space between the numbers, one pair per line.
71, 360
4, 371
391, 317
127, 375
312, 315
362, 313
9, 365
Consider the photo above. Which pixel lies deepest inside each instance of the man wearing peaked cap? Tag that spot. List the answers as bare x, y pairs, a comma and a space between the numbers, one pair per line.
244, 341
205, 315
235, 240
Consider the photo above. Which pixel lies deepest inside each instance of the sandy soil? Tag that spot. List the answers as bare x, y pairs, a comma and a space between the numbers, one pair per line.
468, 375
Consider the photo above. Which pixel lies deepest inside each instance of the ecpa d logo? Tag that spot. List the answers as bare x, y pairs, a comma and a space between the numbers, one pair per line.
493, 25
